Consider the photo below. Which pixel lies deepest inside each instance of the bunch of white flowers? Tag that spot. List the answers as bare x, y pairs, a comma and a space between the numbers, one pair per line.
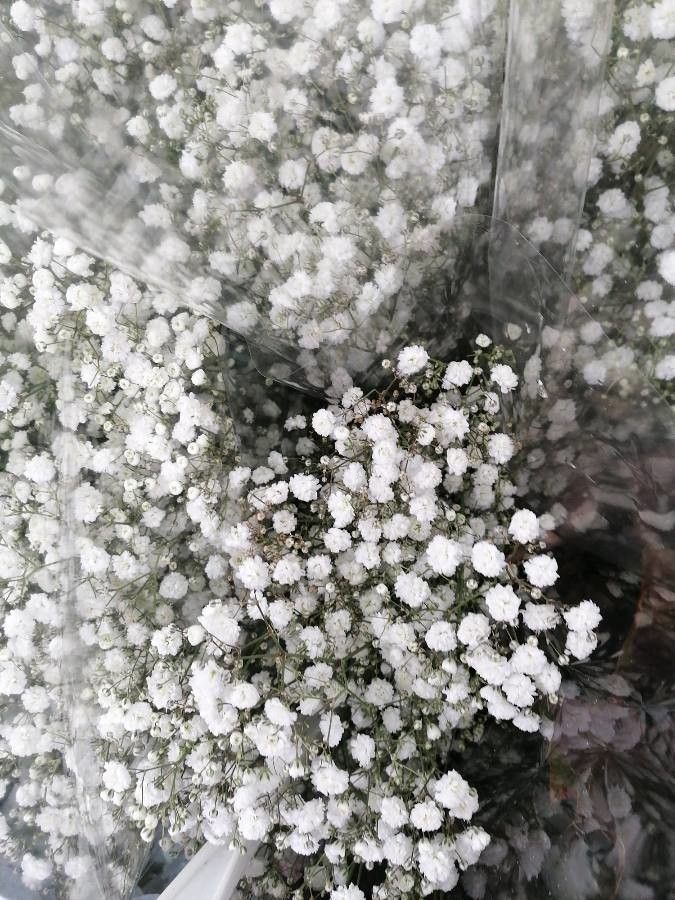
300, 652
128, 389
379, 598
624, 269
324, 148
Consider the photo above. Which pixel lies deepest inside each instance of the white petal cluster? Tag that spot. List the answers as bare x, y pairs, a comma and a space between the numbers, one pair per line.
276, 639
376, 586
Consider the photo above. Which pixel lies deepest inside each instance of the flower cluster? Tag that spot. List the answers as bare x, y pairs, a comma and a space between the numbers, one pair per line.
379, 598
135, 386
324, 149
302, 651
625, 266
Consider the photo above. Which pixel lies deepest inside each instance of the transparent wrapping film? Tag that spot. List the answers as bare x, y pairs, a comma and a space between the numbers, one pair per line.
553, 86
83, 180
598, 437
490, 219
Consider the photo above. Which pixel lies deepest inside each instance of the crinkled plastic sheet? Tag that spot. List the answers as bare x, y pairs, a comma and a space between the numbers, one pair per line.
53, 770
555, 64
589, 812
80, 179
83, 180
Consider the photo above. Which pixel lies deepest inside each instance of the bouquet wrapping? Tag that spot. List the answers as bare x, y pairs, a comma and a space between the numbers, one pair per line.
355, 185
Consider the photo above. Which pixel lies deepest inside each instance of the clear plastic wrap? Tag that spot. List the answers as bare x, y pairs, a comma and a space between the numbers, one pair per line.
555, 65
595, 454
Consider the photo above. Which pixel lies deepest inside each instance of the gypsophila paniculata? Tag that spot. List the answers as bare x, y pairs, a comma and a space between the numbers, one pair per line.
379, 596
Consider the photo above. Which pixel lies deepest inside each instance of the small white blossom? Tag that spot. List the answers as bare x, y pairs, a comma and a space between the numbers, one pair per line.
541, 570
412, 360
487, 559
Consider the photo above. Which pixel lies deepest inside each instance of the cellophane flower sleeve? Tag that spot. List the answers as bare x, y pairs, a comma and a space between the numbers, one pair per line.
57, 833
336, 186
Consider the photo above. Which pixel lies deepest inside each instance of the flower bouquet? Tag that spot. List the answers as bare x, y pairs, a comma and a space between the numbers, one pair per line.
336, 523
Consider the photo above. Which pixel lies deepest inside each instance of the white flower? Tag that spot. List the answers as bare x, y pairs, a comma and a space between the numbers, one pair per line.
379, 692
23, 15
665, 368
411, 360
323, 422
504, 377
436, 863
528, 660
549, 679
319, 567
444, 555
426, 816
285, 11
469, 845
173, 586
503, 603
426, 44
540, 616
340, 508
162, 86
595, 372
541, 570
583, 617
662, 20
666, 260
386, 98
254, 823
487, 559
242, 695
284, 522
441, 636
379, 428
279, 714
453, 424
614, 204
9, 394
665, 94
456, 795
624, 141
288, 569
138, 717
116, 776
457, 460
87, 503
581, 644
367, 554
35, 871
217, 621
254, 573
393, 811
261, 126
13, 679
331, 728
337, 540
397, 848
329, 780
524, 526
304, 487
457, 374
411, 589
167, 641
314, 641
347, 892
500, 448
362, 748
474, 629
519, 689
40, 469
